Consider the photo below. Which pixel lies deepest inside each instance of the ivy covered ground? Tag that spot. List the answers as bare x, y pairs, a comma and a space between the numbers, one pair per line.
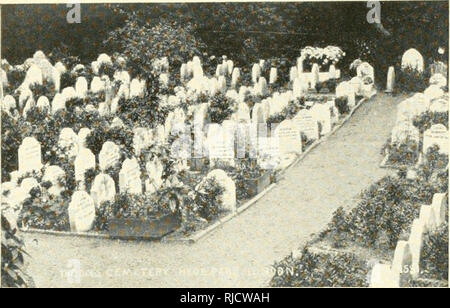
240, 253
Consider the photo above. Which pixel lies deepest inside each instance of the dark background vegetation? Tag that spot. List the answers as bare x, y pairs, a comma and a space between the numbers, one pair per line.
243, 31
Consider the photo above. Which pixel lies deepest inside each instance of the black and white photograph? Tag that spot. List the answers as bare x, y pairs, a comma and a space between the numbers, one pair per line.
244, 147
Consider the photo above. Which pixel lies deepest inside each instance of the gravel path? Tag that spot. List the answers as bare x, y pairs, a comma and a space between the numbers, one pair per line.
240, 253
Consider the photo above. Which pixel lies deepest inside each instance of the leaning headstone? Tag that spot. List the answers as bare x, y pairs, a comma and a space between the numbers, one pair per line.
288, 137
436, 134
130, 177
390, 84
307, 124
412, 59
109, 155
103, 189
29, 155
81, 212
85, 160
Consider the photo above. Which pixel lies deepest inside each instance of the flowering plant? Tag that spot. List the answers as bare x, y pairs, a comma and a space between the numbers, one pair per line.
322, 56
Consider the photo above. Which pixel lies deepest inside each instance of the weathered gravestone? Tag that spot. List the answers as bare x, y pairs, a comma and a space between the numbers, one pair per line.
412, 59
436, 134
390, 83
289, 139
322, 114
155, 171
29, 155
81, 87
268, 153
103, 189
307, 124
403, 131
56, 176
85, 160
58, 103
69, 142
142, 139
130, 177
109, 155
43, 104
81, 212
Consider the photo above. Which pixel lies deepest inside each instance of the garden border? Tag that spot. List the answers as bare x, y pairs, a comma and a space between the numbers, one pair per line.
202, 233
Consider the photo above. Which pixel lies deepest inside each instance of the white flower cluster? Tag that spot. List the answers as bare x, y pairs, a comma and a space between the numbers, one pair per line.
327, 55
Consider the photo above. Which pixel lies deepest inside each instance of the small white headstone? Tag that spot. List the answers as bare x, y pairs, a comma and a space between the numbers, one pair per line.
130, 177
413, 59
307, 124
288, 137
85, 160
29, 155
390, 84
109, 155
81, 212
103, 189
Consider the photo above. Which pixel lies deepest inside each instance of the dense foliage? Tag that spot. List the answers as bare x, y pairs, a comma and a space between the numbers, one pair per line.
321, 270
13, 267
388, 207
434, 256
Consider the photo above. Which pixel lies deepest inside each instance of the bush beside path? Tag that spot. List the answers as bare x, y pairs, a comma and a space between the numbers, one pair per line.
239, 253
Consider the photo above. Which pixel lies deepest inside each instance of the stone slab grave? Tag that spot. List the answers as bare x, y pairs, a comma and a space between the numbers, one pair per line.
30, 155
81, 212
436, 134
